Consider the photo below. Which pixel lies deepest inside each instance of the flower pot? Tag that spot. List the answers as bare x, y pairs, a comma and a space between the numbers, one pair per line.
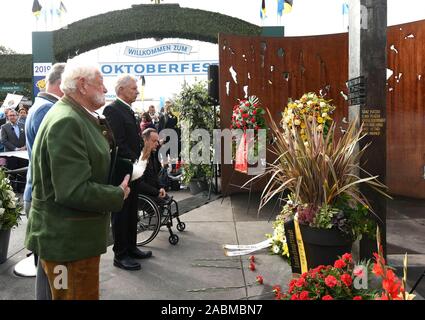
197, 186
4, 244
323, 246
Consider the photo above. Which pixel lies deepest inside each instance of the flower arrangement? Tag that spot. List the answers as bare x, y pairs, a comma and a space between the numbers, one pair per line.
347, 281
248, 114
321, 172
331, 282
279, 245
310, 106
10, 209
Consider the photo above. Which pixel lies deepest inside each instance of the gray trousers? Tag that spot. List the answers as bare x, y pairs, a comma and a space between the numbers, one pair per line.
42, 287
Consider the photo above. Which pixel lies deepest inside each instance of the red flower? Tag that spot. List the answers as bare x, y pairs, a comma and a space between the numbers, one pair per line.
340, 264
357, 298
295, 297
245, 115
277, 289
247, 104
358, 271
252, 258
300, 282
259, 279
255, 111
331, 281
304, 295
347, 257
377, 270
327, 297
252, 266
346, 278
256, 127
252, 119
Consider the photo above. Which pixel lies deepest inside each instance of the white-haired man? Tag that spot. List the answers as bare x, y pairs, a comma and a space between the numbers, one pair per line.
71, 196
127, 135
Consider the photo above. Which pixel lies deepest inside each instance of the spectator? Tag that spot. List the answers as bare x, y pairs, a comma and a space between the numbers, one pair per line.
13, 139
146, 122
154, 116
71, 198
22, 115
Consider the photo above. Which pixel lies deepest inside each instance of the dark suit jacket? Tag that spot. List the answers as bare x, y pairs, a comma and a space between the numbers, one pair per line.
9, 138
126, 131
149, 183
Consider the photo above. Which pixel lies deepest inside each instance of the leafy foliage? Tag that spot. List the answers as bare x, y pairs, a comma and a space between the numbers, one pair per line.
10, 209
195, 112
146, 21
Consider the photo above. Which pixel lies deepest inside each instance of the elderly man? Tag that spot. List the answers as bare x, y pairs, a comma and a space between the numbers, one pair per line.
71, 198
42, 104
127, 135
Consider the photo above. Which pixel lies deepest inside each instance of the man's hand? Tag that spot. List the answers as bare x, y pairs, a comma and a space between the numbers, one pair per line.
124, 186
162, 193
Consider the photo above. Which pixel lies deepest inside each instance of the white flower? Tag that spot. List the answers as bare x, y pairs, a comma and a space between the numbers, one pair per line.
300, 106
12, 204
275, 249
309, 102
10, 194
297, 122
322, 104
1, 211
324, 115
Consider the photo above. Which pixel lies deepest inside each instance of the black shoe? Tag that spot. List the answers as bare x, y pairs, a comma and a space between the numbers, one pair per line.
139, 254
127, 263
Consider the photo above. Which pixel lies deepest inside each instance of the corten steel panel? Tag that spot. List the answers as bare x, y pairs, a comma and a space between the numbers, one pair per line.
406, 110
275, 69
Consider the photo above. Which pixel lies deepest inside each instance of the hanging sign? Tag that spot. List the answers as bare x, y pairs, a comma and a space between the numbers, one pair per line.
157, 50
40, 72
165, 68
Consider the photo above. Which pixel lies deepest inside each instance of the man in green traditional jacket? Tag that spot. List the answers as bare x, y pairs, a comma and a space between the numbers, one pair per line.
68, 223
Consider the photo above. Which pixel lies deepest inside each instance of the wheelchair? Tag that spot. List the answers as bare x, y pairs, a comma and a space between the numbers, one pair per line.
152, 214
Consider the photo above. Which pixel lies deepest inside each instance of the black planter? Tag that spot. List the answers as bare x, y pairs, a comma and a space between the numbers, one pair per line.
4, 244
197, 186
324, 246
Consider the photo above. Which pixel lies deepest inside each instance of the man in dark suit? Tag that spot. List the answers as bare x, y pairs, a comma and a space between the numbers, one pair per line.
127, 136
13, 133
13, 139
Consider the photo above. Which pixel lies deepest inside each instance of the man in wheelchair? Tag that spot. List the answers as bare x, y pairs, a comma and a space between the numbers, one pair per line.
150, 184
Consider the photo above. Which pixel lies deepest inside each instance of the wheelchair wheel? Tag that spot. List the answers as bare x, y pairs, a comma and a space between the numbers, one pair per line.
173, 239
181, 226
148, 220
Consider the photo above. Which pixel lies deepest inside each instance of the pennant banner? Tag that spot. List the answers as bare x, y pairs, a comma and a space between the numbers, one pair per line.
36, 8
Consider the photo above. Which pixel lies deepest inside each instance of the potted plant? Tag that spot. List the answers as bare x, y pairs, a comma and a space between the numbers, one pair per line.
195, 112
325, 209
10, 212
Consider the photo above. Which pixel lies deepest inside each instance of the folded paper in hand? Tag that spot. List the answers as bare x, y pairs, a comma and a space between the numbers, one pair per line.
138, 169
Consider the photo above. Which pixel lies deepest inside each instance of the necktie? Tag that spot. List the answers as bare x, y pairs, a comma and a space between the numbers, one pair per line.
16, 128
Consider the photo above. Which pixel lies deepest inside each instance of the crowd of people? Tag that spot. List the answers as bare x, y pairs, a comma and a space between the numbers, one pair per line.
84, 175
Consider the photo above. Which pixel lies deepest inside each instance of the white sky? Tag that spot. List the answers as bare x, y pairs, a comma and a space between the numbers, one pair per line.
308, 17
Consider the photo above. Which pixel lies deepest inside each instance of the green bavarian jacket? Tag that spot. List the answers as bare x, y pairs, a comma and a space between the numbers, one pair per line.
71, 200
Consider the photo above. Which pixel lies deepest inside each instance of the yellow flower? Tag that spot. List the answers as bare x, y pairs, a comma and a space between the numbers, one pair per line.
303, 126
297, 122
319, 119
